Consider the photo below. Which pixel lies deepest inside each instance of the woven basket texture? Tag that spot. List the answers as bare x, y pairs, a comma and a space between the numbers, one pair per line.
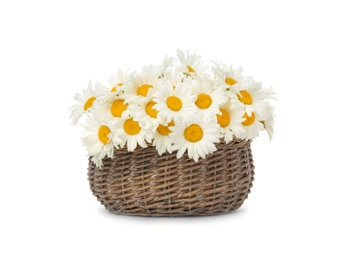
143, 183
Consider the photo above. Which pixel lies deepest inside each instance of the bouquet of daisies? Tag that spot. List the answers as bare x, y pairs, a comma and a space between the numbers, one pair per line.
178, 106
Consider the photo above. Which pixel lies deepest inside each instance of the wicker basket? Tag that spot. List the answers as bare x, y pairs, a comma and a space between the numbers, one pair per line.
145, 184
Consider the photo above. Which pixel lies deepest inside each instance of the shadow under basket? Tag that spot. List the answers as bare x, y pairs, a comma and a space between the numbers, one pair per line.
144, 183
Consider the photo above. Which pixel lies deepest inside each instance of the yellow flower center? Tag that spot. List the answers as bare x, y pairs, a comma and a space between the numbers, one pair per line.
152, 112
174, 103
245, 97
131, 127
203, 101
89, 103
248, 119
143, 90
164, 130
193, 133
115, 87
103, 133
230, 81
224, 119
191, 70
118, 107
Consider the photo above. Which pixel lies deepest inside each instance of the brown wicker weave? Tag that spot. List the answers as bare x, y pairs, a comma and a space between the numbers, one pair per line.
146, 184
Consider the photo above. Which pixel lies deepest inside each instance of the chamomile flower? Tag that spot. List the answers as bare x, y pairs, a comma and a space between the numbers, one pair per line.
131, 134
268, 122
86, 101
191, 64
173, 101
251, 125
145, 113
142, 84
196, 136
226, 76
252, 96
161, 138
113, 106
208, 98
114, 87
165, 66
99, 138
230, 119
174, 78
120, 79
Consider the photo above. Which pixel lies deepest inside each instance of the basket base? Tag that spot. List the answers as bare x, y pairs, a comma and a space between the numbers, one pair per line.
189, 212
141, 183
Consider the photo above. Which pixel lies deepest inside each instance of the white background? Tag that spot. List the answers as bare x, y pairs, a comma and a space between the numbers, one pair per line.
50, 50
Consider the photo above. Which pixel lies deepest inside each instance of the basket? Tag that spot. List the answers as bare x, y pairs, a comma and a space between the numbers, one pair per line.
143, 183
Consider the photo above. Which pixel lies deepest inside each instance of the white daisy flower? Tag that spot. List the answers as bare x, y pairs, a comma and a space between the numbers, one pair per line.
226, 76
252, 96
174, 78
195, 136
146, 114
113, 106
115, 85
174, 102
161, 138
230, 119
141, 84
268, 122
120, 79
131, 134
99, 138
191, 64
86, 102
208, 98
252, 125
166, 65
269, 93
